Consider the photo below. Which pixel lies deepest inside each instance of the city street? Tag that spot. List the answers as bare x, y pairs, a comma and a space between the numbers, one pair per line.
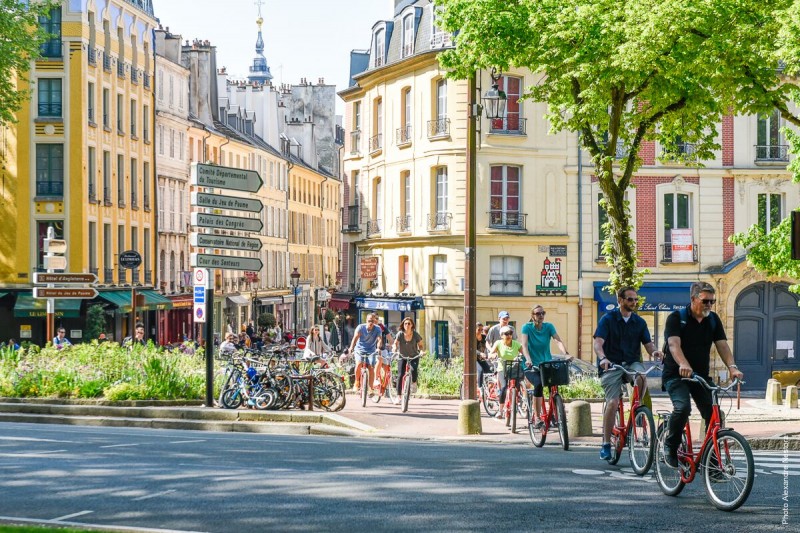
204, 481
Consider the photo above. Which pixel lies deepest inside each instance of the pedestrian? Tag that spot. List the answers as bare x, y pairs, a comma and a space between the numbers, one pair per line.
535, 338
690, 333
316, 346
228, 346
349, 330
60, 341
494, 332
12, 343
249, 330
101, 338
333, 328
138, 338
617, 340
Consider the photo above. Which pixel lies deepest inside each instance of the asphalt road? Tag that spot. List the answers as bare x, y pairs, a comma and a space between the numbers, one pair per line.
202, 481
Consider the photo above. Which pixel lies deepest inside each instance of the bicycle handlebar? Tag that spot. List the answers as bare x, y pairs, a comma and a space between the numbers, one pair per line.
398, 355
615, 366
698, 379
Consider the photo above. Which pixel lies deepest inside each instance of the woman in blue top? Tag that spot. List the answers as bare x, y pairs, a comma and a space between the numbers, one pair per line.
535, 339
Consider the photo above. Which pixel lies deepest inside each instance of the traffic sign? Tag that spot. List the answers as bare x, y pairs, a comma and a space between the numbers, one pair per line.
55, 262
227, 262
72, 293
199, 305
228, 242
130, 259
201, 278
235, 179
67, 278
225, 222
301, 343
55, 246
217, 201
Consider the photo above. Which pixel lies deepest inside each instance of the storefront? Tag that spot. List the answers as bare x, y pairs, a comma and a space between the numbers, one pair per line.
30, 315
176, 324
391, 310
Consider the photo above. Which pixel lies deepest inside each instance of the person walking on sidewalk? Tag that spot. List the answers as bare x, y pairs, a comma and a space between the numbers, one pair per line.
690, 333
617, 340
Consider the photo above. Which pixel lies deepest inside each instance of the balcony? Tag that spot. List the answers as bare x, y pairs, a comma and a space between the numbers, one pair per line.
619, 153
441, 39
777, 153
122, 274
148, 277
438, 286
106, 62
408, 50
666, 253
355, 142
92, 56
52, 49
135, 275
350, 219
373, 228
92, 193
121, 69
684, 150
509, 126
134, 76
376, 143
403, 224
107, 196
50, 110
49, 188
507, 220
439, 221
438, 128
146, 81
108, 275
94, 270
403, 136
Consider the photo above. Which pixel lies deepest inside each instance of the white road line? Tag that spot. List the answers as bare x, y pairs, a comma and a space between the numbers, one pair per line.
31, 454
120, 445
73, 515
32, 439
102, 527
186, 441
156, 495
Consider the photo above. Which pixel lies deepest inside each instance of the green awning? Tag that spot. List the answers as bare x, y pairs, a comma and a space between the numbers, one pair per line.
154, 301
122, 299
29, 307
3, 293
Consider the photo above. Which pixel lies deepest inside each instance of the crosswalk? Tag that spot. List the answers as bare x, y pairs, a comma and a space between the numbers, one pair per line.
770, 462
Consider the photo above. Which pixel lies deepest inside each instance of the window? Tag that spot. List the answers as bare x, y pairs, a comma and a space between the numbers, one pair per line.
134, 183
49, 169
51, 26
49, 97
91, 173
768, 138
121, 239
377, 199
441, 190
439, 281
107, 253
404, 132
506, 275
106, 109
171, 96
357, 116
121, 179
146, 255
106, 177
408, 35
404, 269
405, 206
512, 86
770, 211
146, 185
90, 102
160, 139
133, 117
439, 37
146, 123
93, 247
162, 221
172, 143
504, 196
378, 48
441, 99
120, 114
376, 142
677, 218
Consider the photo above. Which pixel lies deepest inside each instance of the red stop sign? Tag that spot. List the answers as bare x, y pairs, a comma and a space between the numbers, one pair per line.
301, 343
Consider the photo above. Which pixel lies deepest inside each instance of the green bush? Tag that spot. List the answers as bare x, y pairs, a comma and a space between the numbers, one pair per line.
440, 376
584, 387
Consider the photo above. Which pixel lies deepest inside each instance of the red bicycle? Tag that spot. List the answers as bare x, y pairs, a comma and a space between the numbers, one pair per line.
513, 405
553, 373
725, 457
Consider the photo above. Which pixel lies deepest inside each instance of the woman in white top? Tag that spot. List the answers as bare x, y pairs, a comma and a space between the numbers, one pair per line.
316, 345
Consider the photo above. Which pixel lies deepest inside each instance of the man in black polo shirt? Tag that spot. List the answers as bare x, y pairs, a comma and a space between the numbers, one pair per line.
618, 339
690, 351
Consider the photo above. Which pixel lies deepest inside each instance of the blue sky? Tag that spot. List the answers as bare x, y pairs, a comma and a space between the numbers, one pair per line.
302, 38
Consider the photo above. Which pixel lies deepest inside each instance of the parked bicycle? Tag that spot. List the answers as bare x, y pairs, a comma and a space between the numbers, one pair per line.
724, 457
639, 432
554, 374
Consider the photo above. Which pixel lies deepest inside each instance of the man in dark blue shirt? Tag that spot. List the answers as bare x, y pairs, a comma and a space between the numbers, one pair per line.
618, 339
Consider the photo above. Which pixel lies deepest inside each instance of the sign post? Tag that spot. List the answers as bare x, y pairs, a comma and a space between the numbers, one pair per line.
54, 260
131, 259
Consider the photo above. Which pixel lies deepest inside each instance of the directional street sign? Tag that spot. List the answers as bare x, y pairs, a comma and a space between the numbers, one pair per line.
55, 262
234, 179
225, 222
68, 278
223, 261
203, 240
72, 293
55, 246
217, 201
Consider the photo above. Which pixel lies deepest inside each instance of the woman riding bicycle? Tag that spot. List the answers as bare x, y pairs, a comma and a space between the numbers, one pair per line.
535, 340
506, 349
408, 343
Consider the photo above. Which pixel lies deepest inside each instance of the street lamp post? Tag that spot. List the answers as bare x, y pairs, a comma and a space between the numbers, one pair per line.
295, 277
494, 105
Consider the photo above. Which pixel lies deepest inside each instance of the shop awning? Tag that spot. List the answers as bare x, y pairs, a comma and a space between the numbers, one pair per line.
29, 307
390, 304
183, 301
154, 301
3, 293
339, 304
269, 300
238, 299
122, 299
664, 296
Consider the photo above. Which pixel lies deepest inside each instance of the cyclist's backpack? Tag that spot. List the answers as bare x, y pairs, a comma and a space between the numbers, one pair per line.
684, 316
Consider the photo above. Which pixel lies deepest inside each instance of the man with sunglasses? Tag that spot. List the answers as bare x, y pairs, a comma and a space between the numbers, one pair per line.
689, 335
618, 340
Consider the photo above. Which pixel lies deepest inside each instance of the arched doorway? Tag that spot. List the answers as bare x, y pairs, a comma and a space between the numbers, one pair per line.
766, 332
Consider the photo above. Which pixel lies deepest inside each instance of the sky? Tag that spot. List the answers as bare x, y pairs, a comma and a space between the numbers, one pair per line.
302, 38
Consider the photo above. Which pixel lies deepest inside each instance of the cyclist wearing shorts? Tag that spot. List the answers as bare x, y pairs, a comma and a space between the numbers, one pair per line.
535, 340
385, 358
367, 339
506, 349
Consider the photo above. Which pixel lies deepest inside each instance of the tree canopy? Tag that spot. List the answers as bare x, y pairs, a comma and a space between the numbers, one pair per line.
623, 72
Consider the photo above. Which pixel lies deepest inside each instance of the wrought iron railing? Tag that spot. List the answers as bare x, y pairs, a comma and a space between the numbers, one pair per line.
667, 257
438, 285
373, 227
52, 48
92, 56
375, 143
122, 275
92, 193
355, 142
403, 135
599, 255
775, 152
135, 275
50, 188
134, 200
146, 80
106, 62
439, 221
134, 76
49, 109
147, 202
107, 196
505, 285
439, 127
441, 39
511, 220
403, 224
108, 275
120, 69
509, 126
148, 277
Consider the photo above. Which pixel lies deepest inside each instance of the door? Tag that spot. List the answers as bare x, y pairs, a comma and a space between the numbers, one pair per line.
442, 339
766, 332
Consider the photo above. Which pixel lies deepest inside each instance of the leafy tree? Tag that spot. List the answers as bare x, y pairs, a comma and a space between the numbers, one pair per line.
20, 39
266, 320
95, 322
620, 73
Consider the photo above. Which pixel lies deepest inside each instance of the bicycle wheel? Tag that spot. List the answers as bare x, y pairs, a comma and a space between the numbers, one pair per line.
561, 413
326, 390
616, 442
538, 434
489, 396
364, 386
284, 389
729, 477
669, 479
231, 398
265, 399
641, 440
406, 390
391, 389
513, 415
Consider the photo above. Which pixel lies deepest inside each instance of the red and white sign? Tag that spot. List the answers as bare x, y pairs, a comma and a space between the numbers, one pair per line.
369, 268
301, 343
682, 246
201, 278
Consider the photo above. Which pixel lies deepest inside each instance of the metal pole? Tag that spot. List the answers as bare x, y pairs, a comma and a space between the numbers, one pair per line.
51, 303
133, 312
470, 362
209, 331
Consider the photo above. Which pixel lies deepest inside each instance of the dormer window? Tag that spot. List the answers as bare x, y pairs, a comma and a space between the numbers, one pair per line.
378, 48
408, 35
439, 37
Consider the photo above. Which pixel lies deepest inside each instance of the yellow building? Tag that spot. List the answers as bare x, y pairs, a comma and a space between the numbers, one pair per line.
80, 160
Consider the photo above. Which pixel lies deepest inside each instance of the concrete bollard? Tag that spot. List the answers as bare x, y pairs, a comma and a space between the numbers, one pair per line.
469, 418
579, 419
774, 396
791, 397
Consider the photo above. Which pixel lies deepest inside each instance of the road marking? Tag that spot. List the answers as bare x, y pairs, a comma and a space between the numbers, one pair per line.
103, 527
156, 495
587, 472
120, 445
31, 454
73, 515
186, 441
33, 439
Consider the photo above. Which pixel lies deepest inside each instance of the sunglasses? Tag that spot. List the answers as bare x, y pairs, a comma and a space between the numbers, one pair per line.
707, 301
507, 333
540, 313
631, 299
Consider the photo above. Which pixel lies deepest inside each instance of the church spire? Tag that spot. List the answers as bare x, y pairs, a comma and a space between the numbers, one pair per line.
259, 72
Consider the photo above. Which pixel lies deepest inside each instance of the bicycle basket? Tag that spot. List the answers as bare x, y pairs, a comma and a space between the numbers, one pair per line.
554, 373
513, 370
